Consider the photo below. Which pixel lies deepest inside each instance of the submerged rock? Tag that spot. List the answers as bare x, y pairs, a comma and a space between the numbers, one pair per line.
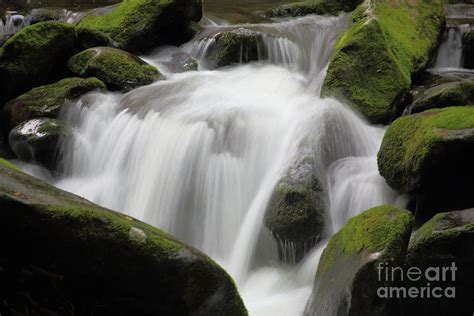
373, 60
37, 140
296, 212
71, 256
235, 46
430, 155
118, 69
182, 62
445, 244
448, 94
34, 56
347, 277
137, 25
47, 101
468, 49
321, 7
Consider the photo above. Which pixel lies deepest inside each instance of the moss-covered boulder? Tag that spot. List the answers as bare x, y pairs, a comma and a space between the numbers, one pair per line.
137, 25
445, 245
88, 38
374, 59
347, 278
430, 155
37, 140
63, 255
468, 49
296, 213
35, 56
448, 94
118, 69
240, 45
47, 101
320, 7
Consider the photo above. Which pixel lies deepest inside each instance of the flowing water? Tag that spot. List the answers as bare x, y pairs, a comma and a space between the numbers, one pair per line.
200, 153
450, 50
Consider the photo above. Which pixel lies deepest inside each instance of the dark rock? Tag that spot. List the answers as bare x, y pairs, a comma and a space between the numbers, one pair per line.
37, 140
182, 62
321, 7
64, 255
468, 49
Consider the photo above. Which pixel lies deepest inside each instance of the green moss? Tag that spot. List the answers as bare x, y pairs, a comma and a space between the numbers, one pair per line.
8, 164
374, 58
239, 45
412, 142
138, 24
380, 229
36, 55
118, 69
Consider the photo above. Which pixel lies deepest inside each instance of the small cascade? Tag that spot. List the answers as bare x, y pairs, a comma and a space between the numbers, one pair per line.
450, 50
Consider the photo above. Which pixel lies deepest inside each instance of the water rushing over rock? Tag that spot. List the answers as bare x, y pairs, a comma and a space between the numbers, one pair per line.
200, 154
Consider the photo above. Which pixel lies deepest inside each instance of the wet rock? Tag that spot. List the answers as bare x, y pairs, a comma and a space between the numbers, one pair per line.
321, 7
182, 62
444, 242
296, 213
235, 46
347, 277
37, 140
38, 15
47, 101
429, 155
138, 25
72, 256
456, 93
118, 69
88, 38
34, 56
374, 59
468, 49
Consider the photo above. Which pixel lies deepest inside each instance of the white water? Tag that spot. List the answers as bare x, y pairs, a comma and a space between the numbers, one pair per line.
200, 153
450, 50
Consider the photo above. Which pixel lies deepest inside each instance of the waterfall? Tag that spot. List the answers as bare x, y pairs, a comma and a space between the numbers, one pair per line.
199, 155
450, 49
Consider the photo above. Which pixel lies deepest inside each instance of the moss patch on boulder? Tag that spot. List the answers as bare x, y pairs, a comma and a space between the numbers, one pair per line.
430, 154
444, 240
346, 279
296, 213
118, 69
455, 93
47, 101
8, 164
34, 56
321, 7
72, 256
137, 25
373, 60
37, 140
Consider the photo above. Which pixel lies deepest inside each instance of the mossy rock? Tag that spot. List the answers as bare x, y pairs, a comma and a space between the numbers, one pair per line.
137, 25
37, 140
118, 69
88, 38
39, 15
430, 155
455, 93
445, 239
321, 7
347, 278
374, 59
74, 257
296, 212
468, 49
7, 164
240, 45
35, 56
47, 101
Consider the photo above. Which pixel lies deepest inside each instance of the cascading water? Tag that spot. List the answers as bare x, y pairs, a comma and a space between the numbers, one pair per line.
450, 50
200, 154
